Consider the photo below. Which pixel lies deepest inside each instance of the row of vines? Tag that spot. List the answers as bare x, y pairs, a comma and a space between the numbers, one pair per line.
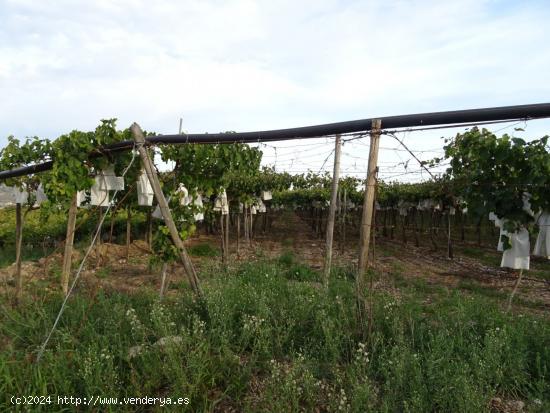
505, 178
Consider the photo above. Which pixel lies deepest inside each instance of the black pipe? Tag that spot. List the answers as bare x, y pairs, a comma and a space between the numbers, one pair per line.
26, 170
540, 110
534, 111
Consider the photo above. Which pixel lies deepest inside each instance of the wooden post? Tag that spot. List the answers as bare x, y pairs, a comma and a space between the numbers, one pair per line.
18, 246
69, 241
513, 293
238, 231
222, 235
113, 218
245, 229
449, 240
98, 243
368, 206
317, 222
128, 231
432, 231
226, 234
462, 223
415, 228
248, 220
374, 226
166, 214
163, 280
332, 210
251, 225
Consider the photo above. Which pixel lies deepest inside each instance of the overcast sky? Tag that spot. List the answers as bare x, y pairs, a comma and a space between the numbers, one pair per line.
247, 65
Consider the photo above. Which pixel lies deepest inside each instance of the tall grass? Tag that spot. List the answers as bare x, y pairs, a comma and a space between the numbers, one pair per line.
273, 342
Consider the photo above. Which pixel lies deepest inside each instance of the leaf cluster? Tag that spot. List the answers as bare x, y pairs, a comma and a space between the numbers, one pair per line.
497, 174
17, 154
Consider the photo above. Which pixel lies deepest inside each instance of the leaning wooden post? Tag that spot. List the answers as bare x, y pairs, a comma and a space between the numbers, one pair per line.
18, 246
163, 280
98, 243
69, 241
332, 210
368, 207
509, 306
163, 206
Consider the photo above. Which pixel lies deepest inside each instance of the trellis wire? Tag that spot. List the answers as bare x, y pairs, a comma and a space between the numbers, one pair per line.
94, 239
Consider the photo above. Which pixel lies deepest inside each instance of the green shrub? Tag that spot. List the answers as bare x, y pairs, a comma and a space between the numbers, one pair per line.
203, 250
286, 259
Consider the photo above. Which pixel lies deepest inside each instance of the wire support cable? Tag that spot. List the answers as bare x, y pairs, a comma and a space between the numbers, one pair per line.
79, 271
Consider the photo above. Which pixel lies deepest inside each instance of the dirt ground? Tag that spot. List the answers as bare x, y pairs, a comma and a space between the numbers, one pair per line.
110, 266
391, 256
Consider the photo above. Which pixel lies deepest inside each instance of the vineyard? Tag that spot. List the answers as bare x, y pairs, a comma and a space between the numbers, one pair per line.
134, 264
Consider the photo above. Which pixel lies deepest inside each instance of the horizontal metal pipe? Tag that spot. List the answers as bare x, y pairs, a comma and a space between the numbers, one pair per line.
26, 170
540, 110
533, 111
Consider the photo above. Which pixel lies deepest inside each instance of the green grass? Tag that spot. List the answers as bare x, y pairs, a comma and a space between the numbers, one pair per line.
287, 259
490, 259
540, 268
29, 253
492, 293
287, 242
270, 344
293, 269
489, 292
473, 252
42, 228
103, 272
203, 250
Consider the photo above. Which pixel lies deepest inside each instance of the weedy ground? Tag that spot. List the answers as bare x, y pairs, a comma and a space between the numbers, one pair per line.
269, 338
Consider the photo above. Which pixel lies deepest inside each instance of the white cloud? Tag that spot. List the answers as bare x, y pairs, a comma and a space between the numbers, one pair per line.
245, 65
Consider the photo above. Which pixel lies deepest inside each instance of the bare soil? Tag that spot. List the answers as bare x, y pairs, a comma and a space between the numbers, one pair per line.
111, 266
